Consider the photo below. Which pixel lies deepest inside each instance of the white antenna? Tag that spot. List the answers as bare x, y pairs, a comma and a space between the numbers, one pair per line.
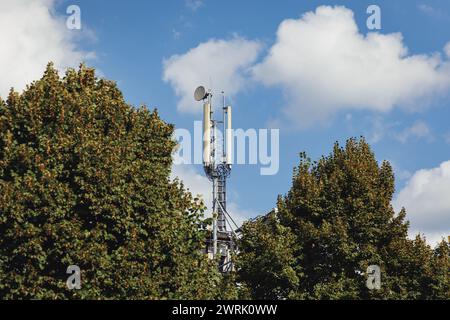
206, 133
229, 138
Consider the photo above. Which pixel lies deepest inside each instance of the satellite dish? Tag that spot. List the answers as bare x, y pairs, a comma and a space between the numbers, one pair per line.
200, 93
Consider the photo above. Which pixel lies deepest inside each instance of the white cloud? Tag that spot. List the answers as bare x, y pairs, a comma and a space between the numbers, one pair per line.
447, 49
221, 62
198, 184
418, 130
427, 202
325, 65
433, 238
31, 37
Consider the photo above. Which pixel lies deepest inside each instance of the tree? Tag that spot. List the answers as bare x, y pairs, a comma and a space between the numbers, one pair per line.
266, 259
84, 180
337, 220
441, 271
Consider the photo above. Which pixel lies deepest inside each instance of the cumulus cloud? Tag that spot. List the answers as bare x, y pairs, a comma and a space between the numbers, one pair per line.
31, 37
427, 202
224, 63
198, 184
324, 64
447, 49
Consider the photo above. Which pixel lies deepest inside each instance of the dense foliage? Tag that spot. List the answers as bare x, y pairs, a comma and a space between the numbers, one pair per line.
336, 220
84, 180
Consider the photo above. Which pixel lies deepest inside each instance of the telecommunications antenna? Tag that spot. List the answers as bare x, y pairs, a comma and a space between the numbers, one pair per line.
222, 242
200, 93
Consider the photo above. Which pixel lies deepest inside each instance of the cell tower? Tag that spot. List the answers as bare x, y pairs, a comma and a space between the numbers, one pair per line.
222, 242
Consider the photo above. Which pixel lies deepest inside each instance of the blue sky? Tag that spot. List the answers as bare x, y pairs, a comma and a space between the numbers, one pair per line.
132, 39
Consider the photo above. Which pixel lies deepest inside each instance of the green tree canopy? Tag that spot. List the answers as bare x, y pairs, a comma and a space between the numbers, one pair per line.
337, 220
84, 180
